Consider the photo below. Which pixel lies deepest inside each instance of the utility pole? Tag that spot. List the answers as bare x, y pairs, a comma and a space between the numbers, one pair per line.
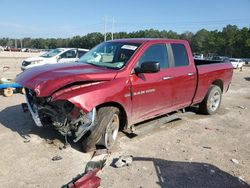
109, 33
15, 43
112, 33
105, 28
21, 40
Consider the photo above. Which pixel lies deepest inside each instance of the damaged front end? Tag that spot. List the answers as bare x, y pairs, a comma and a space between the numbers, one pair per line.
61, 115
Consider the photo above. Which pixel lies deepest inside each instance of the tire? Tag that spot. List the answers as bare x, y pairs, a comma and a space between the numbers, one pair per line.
8, 92
107, 122
212, 101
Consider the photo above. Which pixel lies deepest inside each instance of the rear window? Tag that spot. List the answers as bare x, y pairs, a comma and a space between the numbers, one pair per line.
180, 55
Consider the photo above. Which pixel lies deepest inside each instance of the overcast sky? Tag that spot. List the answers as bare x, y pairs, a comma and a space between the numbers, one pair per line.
67, 18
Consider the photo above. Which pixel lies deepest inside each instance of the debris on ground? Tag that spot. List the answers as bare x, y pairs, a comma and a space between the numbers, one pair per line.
26, 141
241, 107
56, 143
235, 161
207, 147
91, 165
56, 158
207, 128
85, 180
124, 161
88, 179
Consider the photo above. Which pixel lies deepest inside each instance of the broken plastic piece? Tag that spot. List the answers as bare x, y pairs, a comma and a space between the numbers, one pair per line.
235, 161
26, 141
124, 161
85, 180
56, 158
91, 165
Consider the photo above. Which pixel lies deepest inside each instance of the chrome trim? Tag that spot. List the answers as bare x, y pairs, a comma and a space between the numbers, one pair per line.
166, 78
87, 126
34, 114
190, 73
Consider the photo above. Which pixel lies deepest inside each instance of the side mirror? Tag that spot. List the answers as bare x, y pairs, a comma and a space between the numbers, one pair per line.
148, 67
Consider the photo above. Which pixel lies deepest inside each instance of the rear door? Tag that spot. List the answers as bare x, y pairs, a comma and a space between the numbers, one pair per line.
185, 76
151, 92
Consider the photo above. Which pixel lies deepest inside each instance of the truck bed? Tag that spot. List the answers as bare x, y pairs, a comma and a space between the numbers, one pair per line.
198, 62
211, 72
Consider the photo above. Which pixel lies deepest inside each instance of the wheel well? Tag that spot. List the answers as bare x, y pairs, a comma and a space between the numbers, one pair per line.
218, 83
123, 115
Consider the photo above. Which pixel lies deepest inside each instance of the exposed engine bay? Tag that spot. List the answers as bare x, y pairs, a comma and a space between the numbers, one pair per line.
61, 115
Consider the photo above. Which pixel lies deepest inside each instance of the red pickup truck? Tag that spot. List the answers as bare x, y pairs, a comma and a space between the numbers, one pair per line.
120, 83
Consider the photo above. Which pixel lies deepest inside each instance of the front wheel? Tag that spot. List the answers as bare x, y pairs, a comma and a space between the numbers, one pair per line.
104, 131
212, 101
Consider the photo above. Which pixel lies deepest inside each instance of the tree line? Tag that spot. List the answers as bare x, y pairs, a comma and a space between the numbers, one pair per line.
231, 41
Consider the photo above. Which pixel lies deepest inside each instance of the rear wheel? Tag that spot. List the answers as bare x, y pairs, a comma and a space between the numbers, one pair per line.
212, 101
104, 131
8, 92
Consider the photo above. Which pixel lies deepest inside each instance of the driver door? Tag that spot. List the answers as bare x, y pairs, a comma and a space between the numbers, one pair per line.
152, 92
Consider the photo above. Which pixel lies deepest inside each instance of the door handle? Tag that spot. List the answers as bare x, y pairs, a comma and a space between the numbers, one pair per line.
190, 73
166, 78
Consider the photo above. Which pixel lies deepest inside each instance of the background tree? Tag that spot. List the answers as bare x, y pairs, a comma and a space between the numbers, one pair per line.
231, 41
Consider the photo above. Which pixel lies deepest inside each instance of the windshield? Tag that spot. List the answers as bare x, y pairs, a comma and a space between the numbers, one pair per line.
112, 55
51, 53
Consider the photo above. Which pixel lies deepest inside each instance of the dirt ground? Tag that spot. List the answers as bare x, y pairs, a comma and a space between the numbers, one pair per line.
195, 151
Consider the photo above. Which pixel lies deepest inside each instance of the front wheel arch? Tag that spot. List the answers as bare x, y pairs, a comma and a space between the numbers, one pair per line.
123, 113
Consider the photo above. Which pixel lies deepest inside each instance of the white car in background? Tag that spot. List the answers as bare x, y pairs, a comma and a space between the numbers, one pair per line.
58, 55
237, 63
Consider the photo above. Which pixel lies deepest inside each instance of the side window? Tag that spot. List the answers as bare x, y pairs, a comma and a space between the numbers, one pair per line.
155, 53
180, 55
69, 54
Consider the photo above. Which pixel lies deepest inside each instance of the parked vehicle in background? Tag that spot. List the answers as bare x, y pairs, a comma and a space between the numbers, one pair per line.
25, 50
12, 49
198, 56
220, 58
58, 55
237, 63
246, 60
1, 48
120, 83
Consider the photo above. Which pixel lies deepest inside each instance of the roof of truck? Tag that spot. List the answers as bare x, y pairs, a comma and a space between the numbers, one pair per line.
143, 40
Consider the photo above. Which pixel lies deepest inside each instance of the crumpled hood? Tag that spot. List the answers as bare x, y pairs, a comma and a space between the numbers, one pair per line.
44, 80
